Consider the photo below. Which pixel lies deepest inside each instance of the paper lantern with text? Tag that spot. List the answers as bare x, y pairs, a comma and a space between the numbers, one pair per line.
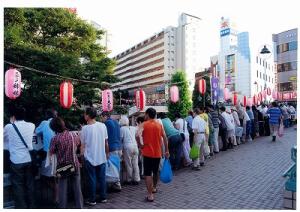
234, 99
107, 100
202, 86
140, 99
12, 83
226, 94
245, 101
174, 94
249, 102
269, 91
66, 94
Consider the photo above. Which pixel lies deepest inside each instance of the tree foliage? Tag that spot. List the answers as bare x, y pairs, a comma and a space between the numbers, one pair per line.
184, 104
57, 41
198, 97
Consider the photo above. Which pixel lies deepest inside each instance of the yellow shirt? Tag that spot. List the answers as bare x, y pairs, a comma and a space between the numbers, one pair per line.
205, 117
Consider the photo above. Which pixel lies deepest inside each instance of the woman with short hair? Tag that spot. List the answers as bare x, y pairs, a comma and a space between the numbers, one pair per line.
64, 145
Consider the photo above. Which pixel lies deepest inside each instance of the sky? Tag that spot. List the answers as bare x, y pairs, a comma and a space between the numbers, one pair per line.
131, 21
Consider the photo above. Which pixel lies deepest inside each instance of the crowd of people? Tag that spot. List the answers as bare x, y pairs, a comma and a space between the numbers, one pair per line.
141, 146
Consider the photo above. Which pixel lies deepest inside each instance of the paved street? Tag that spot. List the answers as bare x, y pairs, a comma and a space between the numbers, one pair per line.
248, 177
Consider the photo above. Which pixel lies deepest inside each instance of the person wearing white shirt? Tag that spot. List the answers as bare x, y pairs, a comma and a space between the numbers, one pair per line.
130, 150
199, 129
94, 146
238, 129
181, 125
247, 126
22, 178
230, 126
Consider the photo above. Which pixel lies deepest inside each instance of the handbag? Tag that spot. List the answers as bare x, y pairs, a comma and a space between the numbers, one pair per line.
32, 153
280, 131
68, 169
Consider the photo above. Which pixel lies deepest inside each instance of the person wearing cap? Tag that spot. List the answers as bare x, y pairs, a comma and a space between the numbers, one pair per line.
200, 135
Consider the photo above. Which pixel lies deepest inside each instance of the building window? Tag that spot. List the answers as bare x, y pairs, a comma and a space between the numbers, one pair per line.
260, 75
272, 80
293, 45
290, 66
257, 73
286, 86
257, 60
269, 79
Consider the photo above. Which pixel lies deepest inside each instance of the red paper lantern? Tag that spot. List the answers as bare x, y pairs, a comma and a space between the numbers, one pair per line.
260, 97
254, 100
245, 101
107, 100
234, 99
202, 86
274, 94
269, 91
140, 99
66, 94
12, 83
174, 94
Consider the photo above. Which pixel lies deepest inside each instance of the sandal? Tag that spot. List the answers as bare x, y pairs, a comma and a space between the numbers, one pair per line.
149, 200
154, 190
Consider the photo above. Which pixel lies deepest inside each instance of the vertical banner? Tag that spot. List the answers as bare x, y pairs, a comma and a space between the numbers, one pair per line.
230, 72
214, 90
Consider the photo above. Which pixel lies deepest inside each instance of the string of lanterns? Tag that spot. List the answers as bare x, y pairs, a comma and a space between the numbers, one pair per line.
13, 91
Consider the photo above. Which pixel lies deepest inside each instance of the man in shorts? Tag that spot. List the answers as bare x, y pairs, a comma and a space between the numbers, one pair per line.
152, 151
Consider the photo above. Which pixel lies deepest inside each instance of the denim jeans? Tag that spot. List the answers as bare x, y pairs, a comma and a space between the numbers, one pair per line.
175, 148
94, 174
22, 181
248, 129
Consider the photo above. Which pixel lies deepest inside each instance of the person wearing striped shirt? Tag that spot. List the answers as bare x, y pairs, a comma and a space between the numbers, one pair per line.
275, 119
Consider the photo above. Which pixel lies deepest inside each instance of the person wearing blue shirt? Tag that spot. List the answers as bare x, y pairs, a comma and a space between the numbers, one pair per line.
175, 141
47, 134
114, 140
189, 120
251, 116
275, 119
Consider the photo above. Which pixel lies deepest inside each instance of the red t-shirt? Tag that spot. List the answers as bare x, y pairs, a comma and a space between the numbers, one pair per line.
152, 134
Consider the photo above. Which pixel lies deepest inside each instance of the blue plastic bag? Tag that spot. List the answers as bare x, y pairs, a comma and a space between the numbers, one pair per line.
166, 174
112, 169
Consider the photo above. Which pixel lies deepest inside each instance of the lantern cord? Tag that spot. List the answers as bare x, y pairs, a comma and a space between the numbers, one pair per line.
50, 74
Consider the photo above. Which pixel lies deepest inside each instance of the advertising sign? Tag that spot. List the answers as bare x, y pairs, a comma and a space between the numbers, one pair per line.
214, 88
230, 72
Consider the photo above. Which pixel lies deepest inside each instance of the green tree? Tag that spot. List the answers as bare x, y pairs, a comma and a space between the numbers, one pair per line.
184, 104
56, 41
198, 97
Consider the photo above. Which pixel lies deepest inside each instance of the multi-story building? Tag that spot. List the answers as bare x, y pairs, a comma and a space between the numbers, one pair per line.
285, 56
105, 40
151, 63
240, 71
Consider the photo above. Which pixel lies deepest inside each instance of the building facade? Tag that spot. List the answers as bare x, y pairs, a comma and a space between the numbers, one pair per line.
285, 56
151, 63
105, 40
241, 71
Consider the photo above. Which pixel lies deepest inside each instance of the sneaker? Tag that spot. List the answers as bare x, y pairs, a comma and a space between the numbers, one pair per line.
211, 154
103, 201
89, 203
202, 164
196, 168
134, 183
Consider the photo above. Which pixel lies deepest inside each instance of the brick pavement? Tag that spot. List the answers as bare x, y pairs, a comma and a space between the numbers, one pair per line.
247, 177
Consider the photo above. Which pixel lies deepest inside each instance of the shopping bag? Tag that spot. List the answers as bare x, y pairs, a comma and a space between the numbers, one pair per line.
239, 131
112, 170
194, 153
166, 174
280, 131
161, 163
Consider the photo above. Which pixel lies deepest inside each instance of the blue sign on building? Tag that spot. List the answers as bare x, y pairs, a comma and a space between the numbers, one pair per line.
225, 32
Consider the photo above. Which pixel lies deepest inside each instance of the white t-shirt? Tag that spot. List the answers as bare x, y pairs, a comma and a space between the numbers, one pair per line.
199, 125
93, 137
18, 151
127, 134
228, 120
236, 118
180, 123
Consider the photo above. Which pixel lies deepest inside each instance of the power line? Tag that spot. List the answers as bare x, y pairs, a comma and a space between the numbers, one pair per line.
50, 74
